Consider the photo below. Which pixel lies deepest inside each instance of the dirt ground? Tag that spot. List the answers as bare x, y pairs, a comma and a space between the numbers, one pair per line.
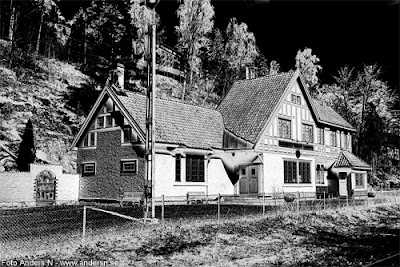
353, 236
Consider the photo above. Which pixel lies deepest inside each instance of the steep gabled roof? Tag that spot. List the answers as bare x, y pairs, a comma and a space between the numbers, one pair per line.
249, 104
178, 123
348, 159
329, 116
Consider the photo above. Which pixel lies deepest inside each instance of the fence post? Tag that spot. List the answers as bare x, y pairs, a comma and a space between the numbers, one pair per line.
187, 198
298, 202
263, 207
84, 223
219, 206
347, 199
324, 199
162, 209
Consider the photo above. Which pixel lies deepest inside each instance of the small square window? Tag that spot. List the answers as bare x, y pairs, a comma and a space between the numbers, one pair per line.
129, 166
243, 171
88, 169
298, 98
253, 171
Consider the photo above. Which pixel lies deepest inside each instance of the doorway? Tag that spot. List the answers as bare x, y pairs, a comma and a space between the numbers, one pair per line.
248, 180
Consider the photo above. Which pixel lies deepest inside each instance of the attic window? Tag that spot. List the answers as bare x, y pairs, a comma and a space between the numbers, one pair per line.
90, 140
128, 136
296, 99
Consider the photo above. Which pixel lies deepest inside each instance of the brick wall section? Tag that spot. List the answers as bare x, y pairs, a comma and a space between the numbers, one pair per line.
108, 183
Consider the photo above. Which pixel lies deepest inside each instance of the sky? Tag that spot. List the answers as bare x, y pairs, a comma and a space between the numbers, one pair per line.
339, 32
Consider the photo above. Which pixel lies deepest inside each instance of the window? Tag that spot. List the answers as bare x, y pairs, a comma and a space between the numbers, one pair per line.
284, 128
320, 174
359, 180
292, 168
346, 141
321, 136
109, 121
177, 168
129, 166
333, 138
127, 135
304, 172
308, 133
194, 168
290, 171
90, 140
296, 99
88, 169
100, 122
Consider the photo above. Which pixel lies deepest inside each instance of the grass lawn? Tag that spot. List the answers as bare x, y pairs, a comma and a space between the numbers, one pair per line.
351, 236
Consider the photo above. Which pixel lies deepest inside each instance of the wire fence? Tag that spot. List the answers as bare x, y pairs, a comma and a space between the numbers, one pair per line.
33, 229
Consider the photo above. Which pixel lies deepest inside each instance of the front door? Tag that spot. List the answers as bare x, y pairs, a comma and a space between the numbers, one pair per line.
248, 183
343, 184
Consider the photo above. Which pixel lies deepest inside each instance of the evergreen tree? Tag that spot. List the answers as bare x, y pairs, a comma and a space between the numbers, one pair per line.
27, 150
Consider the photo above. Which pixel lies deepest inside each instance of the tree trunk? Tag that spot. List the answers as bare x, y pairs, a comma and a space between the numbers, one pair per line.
14, 29
84, 43
12, 21
38, 37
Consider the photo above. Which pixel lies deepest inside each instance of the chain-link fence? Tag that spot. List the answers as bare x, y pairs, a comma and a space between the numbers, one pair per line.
33, 229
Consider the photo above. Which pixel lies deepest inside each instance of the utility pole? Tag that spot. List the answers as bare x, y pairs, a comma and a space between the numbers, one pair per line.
150, 114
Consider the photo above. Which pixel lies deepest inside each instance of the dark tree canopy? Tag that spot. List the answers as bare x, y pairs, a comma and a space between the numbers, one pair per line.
27, 151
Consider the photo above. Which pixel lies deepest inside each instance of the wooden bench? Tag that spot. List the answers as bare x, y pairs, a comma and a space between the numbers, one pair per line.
132, 198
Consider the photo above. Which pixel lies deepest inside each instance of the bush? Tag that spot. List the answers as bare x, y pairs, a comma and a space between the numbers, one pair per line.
289, 197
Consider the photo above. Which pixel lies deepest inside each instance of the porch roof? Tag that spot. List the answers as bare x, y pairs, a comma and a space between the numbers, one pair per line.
348, 159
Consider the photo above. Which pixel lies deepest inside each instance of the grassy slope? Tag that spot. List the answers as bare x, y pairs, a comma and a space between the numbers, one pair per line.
40, 96
345, 237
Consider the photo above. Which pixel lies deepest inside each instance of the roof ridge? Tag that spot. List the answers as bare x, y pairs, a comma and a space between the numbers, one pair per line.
267, 76
173, 101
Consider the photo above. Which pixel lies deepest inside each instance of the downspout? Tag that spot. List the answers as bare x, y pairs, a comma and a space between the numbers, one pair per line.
262, 171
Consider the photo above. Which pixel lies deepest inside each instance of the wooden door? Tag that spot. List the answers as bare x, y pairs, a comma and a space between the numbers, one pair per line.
342, 184
248, 182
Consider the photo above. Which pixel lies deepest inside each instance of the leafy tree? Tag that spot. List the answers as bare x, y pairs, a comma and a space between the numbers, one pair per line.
241, 46
366, 102
27, 150
306, 62
195, 24
274, 67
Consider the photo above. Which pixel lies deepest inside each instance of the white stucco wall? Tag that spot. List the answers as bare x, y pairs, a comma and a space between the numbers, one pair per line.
68, 188
19, 187
274, 174
216, 179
